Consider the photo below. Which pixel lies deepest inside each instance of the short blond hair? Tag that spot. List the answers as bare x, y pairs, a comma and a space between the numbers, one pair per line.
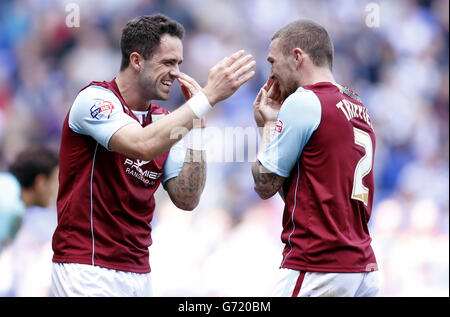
309, 36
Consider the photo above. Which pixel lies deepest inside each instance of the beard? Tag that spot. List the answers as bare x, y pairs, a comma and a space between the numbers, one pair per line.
289, 89
147, 89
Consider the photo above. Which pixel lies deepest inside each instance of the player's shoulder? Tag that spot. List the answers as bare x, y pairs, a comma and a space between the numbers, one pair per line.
94, 100
301, 100
349, 93
95, 92
302, 109
302, 95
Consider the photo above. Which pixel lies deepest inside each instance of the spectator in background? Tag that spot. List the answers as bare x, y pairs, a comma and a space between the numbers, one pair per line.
29, 255
36, 169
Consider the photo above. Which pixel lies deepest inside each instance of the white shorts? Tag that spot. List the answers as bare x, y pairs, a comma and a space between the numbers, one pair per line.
73, 279
292, 283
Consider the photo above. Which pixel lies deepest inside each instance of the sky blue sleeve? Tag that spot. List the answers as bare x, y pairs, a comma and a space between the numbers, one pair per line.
298, 118
174, 163
97, 112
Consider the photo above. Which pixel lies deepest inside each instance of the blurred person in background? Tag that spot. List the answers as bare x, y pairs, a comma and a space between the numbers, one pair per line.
29, 255
317, 151
116, 149
11, 209
36, 169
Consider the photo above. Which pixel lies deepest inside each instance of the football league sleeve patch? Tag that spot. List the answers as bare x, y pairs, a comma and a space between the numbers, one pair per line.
298, 118
97, 112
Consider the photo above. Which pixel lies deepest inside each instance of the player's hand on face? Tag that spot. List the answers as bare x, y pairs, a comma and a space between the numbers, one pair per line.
227, 76
189, 86
259, 119
274, 93
267, 103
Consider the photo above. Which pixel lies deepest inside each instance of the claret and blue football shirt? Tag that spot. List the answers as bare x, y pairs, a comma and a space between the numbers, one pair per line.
324, 146
105, 199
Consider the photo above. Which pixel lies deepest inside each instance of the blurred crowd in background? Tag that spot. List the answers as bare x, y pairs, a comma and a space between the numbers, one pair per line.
230, 245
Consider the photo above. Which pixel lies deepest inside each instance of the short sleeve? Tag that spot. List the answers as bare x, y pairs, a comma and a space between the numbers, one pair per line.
174, 162
97, 112
298, 118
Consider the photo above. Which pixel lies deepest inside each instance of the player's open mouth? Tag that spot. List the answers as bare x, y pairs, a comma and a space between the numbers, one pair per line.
165, 85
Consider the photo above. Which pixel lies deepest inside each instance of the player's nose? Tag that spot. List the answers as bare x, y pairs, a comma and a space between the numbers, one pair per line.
175, 71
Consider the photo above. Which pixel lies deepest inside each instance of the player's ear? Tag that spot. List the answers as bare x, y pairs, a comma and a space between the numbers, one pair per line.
136, 61
40, 183
299, 55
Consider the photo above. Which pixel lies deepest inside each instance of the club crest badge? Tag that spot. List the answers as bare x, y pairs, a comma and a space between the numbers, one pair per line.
279, 126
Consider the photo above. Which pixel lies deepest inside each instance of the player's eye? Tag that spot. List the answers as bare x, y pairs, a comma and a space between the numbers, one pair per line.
168, 62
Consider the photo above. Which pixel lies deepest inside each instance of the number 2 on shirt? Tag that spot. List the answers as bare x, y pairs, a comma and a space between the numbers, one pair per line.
364, 166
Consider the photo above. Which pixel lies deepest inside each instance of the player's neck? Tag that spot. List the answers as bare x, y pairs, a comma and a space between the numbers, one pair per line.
318, 75
130, 94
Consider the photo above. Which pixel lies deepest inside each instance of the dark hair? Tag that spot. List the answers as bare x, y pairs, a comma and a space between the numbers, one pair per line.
32, 162
310, 37
143, 35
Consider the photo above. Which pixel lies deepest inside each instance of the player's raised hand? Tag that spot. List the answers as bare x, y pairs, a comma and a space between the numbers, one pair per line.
267, 103
227, 76
190, 87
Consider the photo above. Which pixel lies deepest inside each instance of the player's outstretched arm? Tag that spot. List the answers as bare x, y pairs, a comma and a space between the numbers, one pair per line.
155, 139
